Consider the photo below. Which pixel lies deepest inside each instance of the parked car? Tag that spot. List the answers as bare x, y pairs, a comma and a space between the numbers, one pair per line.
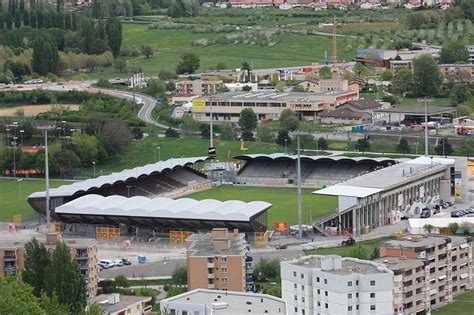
436, 207
118, 263
425, 213
281, 246
126, 261
456, 214
436, 211
106, 263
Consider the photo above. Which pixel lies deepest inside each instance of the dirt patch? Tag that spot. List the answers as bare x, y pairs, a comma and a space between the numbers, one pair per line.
33, 110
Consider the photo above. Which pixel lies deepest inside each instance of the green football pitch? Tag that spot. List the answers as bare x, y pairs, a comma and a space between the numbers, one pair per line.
284, 201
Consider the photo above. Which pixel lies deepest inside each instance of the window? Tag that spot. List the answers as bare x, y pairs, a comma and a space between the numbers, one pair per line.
372, 282
326, 305
224, 280
317, 279
302, 287
357, 282
319, 291
302, 311
302, 276
295, 285
325, 281
349, 308
357, 294
224, 269
296, 298
349, 296
325, 293
319, 303
224, 259
349, 284
302, 299
372, 307
357, 307
296, 309
294, 273
372, 295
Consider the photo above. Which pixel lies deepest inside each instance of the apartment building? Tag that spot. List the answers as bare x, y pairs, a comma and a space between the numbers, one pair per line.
470, 49
396, 65
212, 302
446, 271
465, 70
12, 255
200, 87
334, 285
324, 85
219, 260
116, 304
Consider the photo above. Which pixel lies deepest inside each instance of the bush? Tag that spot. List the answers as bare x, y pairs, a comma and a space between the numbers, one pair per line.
122, 281
180, 275
171, 133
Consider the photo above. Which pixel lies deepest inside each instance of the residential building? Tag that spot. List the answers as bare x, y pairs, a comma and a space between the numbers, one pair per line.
212, 302
447, 271
200, 87
465, 72
324, 85
180, 99
336, 285
219, 260
237, 87
470, 49
224, 75
116, 304
12, 255
396, 65
367, 106
268, 105
356, 84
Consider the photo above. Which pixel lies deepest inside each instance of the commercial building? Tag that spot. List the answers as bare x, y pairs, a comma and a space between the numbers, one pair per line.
212, 302
324, 85
440, 224
219, 260
334, 285
116, 304
200, 87
375, 57
463, 71
355, 112
386, 195
268, 105
445, 272
84, 251
396, 65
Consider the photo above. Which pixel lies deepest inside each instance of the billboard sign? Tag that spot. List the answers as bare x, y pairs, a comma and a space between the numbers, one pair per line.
281, 227
199, 104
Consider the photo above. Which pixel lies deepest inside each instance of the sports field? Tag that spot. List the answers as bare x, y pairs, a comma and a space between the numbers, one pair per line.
462, 305
284, 201
12, 202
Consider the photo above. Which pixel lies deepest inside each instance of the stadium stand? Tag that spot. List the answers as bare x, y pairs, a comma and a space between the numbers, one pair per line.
280, 169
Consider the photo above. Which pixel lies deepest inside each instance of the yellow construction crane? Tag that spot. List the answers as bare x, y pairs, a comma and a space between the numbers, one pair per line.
334, 44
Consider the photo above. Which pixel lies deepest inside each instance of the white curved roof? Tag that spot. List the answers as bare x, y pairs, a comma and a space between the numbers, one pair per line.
107, 180
161, 207
275, 156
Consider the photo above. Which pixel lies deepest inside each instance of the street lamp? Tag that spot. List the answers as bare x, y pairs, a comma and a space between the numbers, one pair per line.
14, 156
19, 180
93, 164
425, 101
286, 143
159, 153
21, 134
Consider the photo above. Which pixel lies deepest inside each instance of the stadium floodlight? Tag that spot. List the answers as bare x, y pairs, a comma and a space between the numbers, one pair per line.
425, 100
298, 134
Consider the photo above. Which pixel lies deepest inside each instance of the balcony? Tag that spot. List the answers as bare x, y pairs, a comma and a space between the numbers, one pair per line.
9, 258
210, 265
211, 286
248, 259
9, 268
84, 266
249, 270
211, 276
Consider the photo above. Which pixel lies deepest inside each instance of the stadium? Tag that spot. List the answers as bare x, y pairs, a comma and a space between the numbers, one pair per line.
146, 200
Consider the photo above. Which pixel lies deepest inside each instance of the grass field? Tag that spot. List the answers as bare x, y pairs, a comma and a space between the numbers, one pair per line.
344, 251
284, 201
462, 305
32, 110
12, 202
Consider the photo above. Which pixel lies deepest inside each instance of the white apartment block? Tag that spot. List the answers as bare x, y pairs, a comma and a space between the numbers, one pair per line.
323, 285
470, 49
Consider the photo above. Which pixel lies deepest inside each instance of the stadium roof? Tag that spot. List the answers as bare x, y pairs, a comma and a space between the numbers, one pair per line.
161, 207
284, 156
386, 178
123, 176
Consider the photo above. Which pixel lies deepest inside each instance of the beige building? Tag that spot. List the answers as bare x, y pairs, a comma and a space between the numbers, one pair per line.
12, 255
464, 70
324, 85
432, 270
116, 304
219, 260
396, 65
200, 87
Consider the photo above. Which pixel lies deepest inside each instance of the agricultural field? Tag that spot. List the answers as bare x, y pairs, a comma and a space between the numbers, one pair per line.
32, 110
462, 305
284, 201
13, 202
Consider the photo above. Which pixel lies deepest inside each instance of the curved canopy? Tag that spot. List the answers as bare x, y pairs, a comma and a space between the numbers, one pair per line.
284, 156
161, 207
114, 178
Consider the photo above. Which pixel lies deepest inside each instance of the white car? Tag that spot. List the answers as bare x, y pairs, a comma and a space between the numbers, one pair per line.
106, 263
118, 263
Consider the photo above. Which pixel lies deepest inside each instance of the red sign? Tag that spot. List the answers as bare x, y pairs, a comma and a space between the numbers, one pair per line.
281, 227
307, 69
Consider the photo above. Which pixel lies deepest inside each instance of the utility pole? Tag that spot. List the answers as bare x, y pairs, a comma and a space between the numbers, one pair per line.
14, 156
211, 136
300, 200
46, 169
425, 101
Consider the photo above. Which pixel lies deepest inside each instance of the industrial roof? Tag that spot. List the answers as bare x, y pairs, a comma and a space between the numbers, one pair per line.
385, 178
273, 96
417, 110
161, 207
284, 156
114, 178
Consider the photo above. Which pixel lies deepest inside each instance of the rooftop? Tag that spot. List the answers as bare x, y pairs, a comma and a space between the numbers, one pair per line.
230, 302
343, 113
397, 264
416, 241
124, 302
417, 110
284, 156
202, 245
18, 239
256, 96
364, 104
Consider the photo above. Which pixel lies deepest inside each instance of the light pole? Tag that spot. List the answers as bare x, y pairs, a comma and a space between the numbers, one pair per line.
286, 143
93, 165
159, 153
416, 148
211, 136
14, 156
19, 180
425, 101
21, 134
46, 169
300, 201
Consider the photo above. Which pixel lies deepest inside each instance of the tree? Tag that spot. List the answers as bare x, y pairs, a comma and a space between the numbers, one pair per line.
51, 305
322, 144
454, 52
120, 65
18, 298
267, 270
86, 147
147, 51
248, 120
227, 132
403, 146
359, 252
246, 67
137, 133
265, 134
386, 75
274, 290
175, 291
171, 133
428, 228
427, 78
453, 227
122, 281
361, 70
45, 56
115, 136
402, 82
189, 64
114, 35
283, 138
177, 10
180, 276
460, 94
36, 261
362, 145
288, 120
444, 148
64, 279
325, 72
